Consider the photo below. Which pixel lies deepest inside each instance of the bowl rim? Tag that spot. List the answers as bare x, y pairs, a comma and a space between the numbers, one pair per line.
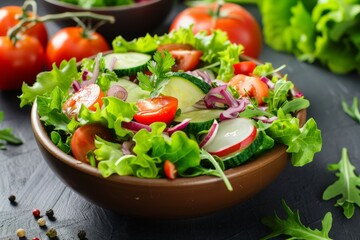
106, 8
244, 169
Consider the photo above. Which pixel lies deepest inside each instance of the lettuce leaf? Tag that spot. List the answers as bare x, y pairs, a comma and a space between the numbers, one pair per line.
324, 32
46, 82
217, 50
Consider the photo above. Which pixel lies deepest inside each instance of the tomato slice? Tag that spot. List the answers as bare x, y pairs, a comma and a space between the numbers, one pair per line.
157, 109
83, 140
89, 96
170, 170
186, 60
245, 67
186, 57
250, 86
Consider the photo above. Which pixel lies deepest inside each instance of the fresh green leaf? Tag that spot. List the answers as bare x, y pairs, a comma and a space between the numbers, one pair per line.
324, 32
302, 142
7, 136
293, 227
352, 111
163, 61
46, 82
346, 187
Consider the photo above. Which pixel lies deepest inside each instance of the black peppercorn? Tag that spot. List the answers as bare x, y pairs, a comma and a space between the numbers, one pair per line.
51, 233
12, 198
82, 235
50, 213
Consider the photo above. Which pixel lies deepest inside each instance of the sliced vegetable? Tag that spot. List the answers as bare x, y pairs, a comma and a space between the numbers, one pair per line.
210, 136
250, 86
127, 64
170, 170
90, 96
186, 88
157, 109
83, 140
199, 119
244, 67
233, 136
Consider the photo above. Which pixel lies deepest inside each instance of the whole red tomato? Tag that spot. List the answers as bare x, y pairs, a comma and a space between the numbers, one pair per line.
11, 15
20, 62
72, 42
240, 25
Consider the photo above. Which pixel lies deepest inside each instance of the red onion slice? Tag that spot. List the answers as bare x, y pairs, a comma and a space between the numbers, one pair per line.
117, 91
178, 127
135, 126
210, 135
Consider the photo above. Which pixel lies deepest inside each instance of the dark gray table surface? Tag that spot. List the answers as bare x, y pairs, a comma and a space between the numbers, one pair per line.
24, 173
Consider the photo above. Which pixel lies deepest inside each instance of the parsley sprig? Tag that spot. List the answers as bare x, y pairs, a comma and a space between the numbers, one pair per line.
6, 136
159, 67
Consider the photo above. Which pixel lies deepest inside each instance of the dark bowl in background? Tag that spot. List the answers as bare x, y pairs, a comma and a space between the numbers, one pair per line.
131, 21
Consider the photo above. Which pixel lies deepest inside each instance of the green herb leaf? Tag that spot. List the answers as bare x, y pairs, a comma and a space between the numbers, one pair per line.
302, 142
293, 227
352, 111
163, 61
7, 136
347, 185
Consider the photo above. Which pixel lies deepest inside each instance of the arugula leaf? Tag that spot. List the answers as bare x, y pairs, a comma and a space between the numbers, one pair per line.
292, 226
7, 136
159, 69
352, 111
302, 142
347, 185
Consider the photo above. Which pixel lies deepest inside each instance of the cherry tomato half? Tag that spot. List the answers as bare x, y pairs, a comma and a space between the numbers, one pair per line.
250, 86
157, 109
11, 15
236, 21
89, 96
20, 62
244, 67
70, 42
186, 57
83, 140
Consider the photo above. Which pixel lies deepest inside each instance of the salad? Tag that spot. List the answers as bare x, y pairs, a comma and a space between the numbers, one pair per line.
175, 105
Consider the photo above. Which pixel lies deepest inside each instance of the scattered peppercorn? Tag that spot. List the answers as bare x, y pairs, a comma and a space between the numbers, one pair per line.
50, 213
35, 238
20, 233
41, 222
12, 198
82, 235
36, 212
51, 233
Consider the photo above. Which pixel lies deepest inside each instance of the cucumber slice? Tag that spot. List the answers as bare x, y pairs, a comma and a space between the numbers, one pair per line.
245, 155
128, 63
200, 120
186, 88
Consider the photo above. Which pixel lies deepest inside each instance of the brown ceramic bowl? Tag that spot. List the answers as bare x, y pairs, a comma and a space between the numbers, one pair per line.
131, 21
162, 198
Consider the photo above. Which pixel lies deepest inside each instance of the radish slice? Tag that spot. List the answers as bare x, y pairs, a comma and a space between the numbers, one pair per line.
233, 135
211, 134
